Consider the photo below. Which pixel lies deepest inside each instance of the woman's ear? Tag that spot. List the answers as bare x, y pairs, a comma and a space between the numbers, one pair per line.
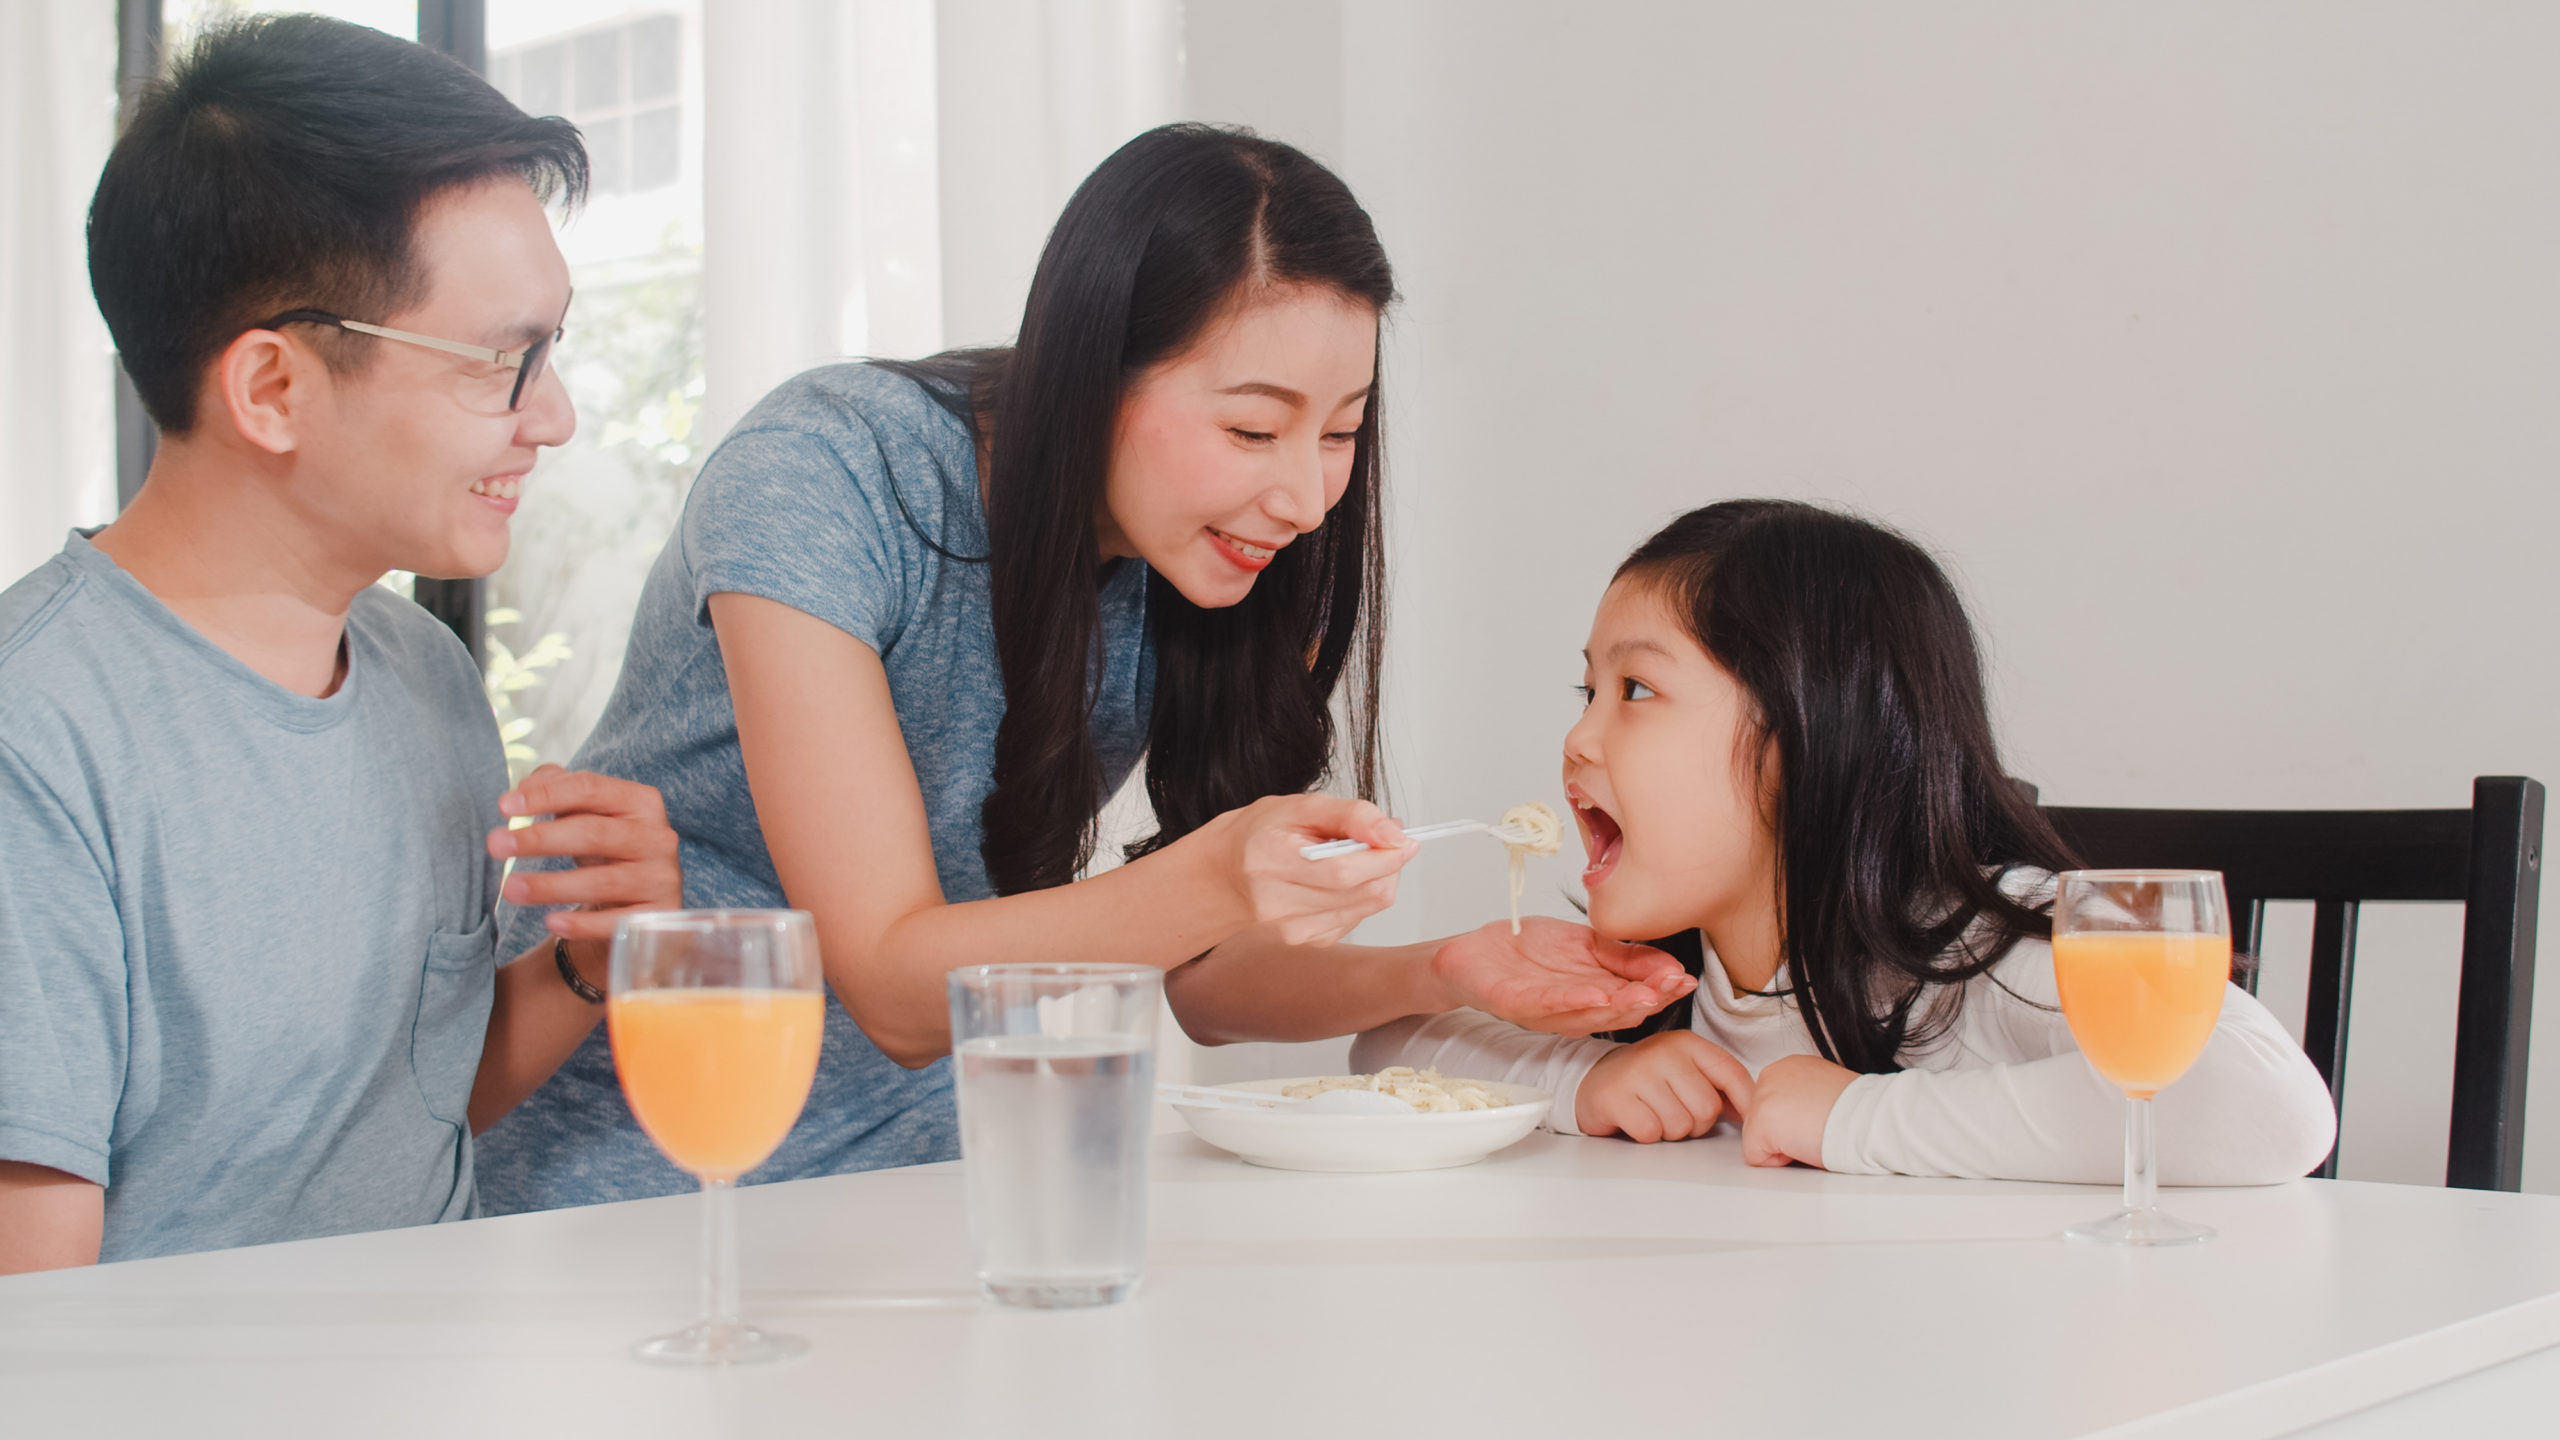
1755, 763
260, 383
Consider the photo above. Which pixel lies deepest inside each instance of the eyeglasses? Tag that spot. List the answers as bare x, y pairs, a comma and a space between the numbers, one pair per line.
527, 363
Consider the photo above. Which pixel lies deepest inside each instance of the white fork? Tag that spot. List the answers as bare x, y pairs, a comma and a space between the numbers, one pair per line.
1513, 834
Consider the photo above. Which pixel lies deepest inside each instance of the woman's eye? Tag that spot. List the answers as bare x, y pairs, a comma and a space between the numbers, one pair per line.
1633, 689
1342, 437
1255, 437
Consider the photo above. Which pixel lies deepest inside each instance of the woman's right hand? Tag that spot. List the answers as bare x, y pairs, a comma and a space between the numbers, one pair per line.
1254, 849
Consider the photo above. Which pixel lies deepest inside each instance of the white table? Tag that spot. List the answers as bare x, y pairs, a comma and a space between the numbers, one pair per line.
1565, 1287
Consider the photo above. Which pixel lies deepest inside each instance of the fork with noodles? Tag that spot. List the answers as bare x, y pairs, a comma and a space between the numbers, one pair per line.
1524, 830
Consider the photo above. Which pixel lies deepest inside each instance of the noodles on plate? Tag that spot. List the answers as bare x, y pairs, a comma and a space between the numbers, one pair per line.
1428, 1091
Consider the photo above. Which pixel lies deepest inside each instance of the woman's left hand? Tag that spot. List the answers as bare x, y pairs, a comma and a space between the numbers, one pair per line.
1557, 976
1790, 1108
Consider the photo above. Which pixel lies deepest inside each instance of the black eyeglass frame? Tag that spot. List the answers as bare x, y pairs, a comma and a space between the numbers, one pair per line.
528, 363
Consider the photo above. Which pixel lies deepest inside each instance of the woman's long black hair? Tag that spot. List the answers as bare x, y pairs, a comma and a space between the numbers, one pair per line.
1169, 232
1894, 822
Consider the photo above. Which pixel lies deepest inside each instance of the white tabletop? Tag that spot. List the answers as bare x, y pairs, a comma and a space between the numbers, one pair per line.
1565, 1287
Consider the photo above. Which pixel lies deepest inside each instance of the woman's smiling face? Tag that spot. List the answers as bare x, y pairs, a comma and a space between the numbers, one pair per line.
1663, 777
1236, 447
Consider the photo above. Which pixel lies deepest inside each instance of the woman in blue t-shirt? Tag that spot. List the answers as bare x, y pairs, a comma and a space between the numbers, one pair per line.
919, 621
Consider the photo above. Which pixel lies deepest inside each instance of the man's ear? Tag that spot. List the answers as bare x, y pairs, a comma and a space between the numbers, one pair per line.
265, 384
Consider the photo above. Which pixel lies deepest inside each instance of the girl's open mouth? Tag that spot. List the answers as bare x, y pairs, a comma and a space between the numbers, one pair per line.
1602, 840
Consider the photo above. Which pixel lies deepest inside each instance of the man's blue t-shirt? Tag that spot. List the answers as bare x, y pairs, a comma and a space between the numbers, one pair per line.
246, 946
849, 494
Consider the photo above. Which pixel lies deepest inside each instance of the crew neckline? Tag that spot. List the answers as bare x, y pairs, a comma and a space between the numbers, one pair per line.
284, 707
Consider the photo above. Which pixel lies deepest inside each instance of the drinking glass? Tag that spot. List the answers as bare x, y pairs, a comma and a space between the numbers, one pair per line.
715, 1017
1057, 1068
2142, 958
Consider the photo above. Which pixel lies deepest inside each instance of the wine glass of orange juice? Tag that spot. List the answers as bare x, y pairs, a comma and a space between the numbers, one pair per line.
715, 1017
2142, 958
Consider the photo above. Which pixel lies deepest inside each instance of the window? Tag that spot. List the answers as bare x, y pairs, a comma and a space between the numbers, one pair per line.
621, 82
596, 511
183, 20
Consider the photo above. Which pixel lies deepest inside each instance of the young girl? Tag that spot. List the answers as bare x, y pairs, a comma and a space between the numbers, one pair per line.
1786, 765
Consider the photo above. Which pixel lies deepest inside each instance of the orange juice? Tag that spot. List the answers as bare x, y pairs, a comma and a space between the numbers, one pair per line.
716, 1076
2141, 1004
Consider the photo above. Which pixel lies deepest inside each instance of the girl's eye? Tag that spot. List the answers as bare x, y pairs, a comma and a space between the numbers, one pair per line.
1587, 693
1252, 437
1632, 688
1342, 437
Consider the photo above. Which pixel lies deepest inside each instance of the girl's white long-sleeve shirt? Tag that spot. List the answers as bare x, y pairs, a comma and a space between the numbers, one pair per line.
2003, 1093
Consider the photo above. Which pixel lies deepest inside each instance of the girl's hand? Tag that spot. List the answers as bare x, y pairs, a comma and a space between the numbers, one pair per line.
1303, 901
1671, 1086
1557, 976
1786, 1121
617, 830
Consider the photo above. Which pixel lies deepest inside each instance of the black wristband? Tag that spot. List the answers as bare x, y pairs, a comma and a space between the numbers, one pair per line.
577, 983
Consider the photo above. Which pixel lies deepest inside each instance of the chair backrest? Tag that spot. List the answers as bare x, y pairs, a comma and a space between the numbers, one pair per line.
2489, 857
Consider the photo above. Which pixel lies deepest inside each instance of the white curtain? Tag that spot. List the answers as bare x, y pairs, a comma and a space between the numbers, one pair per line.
1034, 94
879, 175
57, 395
821, 231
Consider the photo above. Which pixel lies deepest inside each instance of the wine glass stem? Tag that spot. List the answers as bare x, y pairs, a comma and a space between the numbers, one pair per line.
2141, 1163
720, 1254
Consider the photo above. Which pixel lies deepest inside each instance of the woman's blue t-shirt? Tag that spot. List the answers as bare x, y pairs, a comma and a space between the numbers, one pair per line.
849, 494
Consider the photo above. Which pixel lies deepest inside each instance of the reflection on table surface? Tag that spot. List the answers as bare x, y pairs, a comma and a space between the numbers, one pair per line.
1561, 1285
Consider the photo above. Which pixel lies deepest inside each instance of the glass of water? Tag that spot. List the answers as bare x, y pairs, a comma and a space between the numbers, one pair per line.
1057, 1068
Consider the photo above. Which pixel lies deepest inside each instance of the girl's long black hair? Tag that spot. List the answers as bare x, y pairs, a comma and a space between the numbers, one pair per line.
1894, 821
1175, 227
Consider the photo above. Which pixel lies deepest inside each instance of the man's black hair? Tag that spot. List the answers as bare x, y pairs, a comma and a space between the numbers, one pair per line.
283, 165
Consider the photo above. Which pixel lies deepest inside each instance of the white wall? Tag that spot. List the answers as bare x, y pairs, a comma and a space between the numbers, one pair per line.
2215, 347
57, 373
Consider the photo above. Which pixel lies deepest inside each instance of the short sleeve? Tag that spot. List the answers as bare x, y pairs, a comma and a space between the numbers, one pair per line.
807, 520
62, 984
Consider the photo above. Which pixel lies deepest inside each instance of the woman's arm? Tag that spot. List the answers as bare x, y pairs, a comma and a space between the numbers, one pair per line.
1554, 976
844, 820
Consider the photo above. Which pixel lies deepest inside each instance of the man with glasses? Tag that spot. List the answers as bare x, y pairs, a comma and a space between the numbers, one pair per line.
252, 806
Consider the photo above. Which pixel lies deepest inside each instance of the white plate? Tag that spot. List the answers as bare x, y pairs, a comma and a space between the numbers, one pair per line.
1285, 1140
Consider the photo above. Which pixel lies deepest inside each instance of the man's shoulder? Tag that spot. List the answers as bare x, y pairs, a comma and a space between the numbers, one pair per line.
29, 606
421, 649
59, 645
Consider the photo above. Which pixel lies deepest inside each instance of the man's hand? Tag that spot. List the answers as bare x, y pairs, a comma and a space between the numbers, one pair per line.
617, 831
1557, 976
1791, 1110
1671, 1086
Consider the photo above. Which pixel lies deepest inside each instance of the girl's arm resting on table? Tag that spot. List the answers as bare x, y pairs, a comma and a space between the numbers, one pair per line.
844, 820
1469, 1045
49, 1220
2252, 1111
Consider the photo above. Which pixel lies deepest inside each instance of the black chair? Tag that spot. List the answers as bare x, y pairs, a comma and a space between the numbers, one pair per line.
2489, 857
